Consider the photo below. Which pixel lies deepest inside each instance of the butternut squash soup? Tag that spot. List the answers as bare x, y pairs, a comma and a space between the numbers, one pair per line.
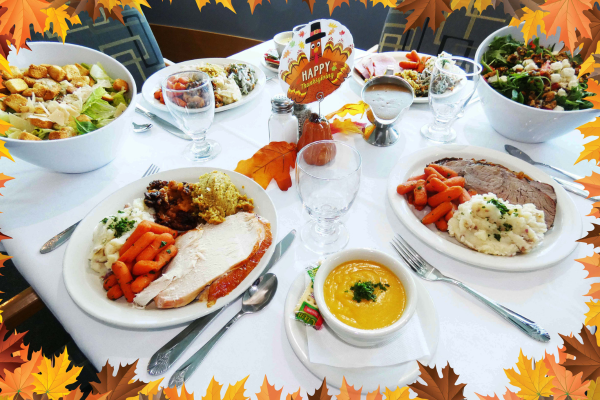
364, 294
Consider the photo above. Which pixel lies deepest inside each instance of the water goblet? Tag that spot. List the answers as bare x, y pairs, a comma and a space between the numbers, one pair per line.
327, 179
190, 99
453, 82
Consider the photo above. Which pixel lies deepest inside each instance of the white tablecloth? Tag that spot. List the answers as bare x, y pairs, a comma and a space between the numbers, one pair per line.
478, 344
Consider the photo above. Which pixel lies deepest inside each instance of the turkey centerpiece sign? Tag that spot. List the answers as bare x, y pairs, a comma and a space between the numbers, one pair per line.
316, 61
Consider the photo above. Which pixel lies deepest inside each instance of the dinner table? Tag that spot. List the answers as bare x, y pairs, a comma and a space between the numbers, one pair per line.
476, 342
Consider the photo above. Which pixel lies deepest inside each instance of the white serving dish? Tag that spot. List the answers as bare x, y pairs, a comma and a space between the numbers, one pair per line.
364, 337
82, 153
85, 285
153, 83
523, 123
279, 41
559, 242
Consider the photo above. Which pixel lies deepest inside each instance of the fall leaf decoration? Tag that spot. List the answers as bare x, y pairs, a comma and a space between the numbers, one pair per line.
592, 317
336, 3
422, 10
375, 395
533, 19
21, 380
4, 151
213, 391
593, 236
270, 162
586, 353
294, 396
532, 383
268, 391
58, 17
321, 393
13, 343
401, 393
236, 392
20, 14
594, 291
566, 385
590, 44
348, 392
569, 16
591, 184
595, 212
173, 394
55, 376
482, 397
121, 386
347, 126
591, 128
438, 387
514, 7
151, 389
350, 109
311, 4
592, 393
591, 150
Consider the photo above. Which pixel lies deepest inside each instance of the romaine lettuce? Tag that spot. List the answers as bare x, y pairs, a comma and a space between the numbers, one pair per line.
96, 108
84, 127
100, 76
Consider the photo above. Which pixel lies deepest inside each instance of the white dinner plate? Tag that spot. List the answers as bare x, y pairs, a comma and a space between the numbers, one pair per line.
398, 56
153, 83
369, 378
85, 285
558, 242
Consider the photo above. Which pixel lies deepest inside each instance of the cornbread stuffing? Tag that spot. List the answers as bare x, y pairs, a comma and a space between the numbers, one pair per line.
217, 197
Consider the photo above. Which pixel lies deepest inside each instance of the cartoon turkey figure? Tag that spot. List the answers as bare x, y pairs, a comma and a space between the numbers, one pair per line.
314, 40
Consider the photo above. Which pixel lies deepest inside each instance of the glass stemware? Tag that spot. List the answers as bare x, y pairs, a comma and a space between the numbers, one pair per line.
190, 99
453, 82
327, 179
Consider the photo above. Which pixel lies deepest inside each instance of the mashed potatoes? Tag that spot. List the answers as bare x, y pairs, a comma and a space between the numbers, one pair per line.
112, 232
493, 226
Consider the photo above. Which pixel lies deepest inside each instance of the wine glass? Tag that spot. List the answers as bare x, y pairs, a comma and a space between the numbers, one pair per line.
190, 99
327, 179
453, 82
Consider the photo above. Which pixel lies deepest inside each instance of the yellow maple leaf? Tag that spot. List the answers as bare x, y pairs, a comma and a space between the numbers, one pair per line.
4, 126
268, 391
151, 388
401, 393
532, 19
591, 128
593, 87
202, 3
236, 392
58, 17
458, 4
591, 152
4, 151
173, 394
4, 64
592, 393
592, 317
54, 377
213, 391
137, 4
481, 5
591, 184
294, 396
532, 383
385, 3
350, 109
227, 4
588, 66
301, 45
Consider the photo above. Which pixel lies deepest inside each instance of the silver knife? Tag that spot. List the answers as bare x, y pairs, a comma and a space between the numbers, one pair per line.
59, 239
166, 125
574, 188
164, 358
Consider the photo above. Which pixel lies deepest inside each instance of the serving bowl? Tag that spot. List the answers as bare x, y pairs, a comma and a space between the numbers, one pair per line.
520, 122
280, 41
85, 152
364, 337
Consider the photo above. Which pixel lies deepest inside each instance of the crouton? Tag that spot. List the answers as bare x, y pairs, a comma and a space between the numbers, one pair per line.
83, 118
2, 105
120, 84
71, 89
6, 75
39, 110
37, 71
16, 85
72, 71
57, 73
63, 133
16, 102
27, 136
107, 97
29, 81
16, 72
41, 122
46, 65
38, 90
83, 71
81, 81
51, 92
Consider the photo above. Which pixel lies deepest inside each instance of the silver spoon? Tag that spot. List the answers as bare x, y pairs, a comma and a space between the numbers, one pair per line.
139, 128
513, 151
255, 299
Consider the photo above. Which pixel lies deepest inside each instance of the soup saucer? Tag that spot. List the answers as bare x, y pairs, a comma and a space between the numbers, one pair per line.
370, 378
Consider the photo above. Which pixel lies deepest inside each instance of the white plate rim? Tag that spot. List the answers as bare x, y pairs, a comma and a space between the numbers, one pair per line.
153, 82
80, 282
567, 225
399, 56
296, 335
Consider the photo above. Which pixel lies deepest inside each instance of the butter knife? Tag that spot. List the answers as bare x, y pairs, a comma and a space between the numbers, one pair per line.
166, 125
574, 188
59, 239
164, 358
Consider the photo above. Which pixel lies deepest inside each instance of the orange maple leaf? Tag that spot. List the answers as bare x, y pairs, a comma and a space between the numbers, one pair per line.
226, 4
21, 14
375, 395
594, 291
173, 394
385, 3
294, 396
591, 265
591, 184
348, 392
253, 4
21, 381
347, 126
482, 397
595, 211
350, 109
565, 383
8, 346
593, 236
422, 10
336, 3
268, 391
4, 258
271, 162
311, 4
594, 87
590, 152
510, 395
568, 16
4, 179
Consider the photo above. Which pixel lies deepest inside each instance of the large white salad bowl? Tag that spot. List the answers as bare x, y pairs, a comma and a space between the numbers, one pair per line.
523, 123
82, 153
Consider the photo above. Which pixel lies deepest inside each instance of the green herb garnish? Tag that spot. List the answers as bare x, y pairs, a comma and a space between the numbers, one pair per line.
169, 251
501, 207
497, 236
508, 227
366, 290
162, 244
121, 226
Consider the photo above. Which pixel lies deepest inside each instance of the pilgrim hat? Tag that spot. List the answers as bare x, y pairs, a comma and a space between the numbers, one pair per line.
315, 33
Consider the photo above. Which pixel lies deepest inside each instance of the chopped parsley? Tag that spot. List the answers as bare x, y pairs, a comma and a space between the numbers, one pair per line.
169, 251
121, 212
162, 244
508, 227
121, 226
497, 236
366, 290
104, 221
501, 207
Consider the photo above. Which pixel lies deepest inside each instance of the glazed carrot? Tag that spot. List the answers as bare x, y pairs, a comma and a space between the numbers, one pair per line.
464, 196
410, 197
124, 278
437, 213
441, 224
408, 65
142, 228
444, 171
449, 215
430, 171
435, 185
144, 267
417, 178
404, 188
419, 208
160, 241
110, 282
472, 192
114, 292
447, 195
158, 229
413, 56
420, 194
136, 248
141, 282
165, 255
455, 181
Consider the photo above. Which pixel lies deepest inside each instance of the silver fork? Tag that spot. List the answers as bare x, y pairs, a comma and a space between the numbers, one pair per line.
430, 273
62, 237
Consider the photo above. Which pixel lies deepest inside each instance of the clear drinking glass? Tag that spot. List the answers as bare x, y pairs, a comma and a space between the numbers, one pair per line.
190, 99
327, 179
453, 82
